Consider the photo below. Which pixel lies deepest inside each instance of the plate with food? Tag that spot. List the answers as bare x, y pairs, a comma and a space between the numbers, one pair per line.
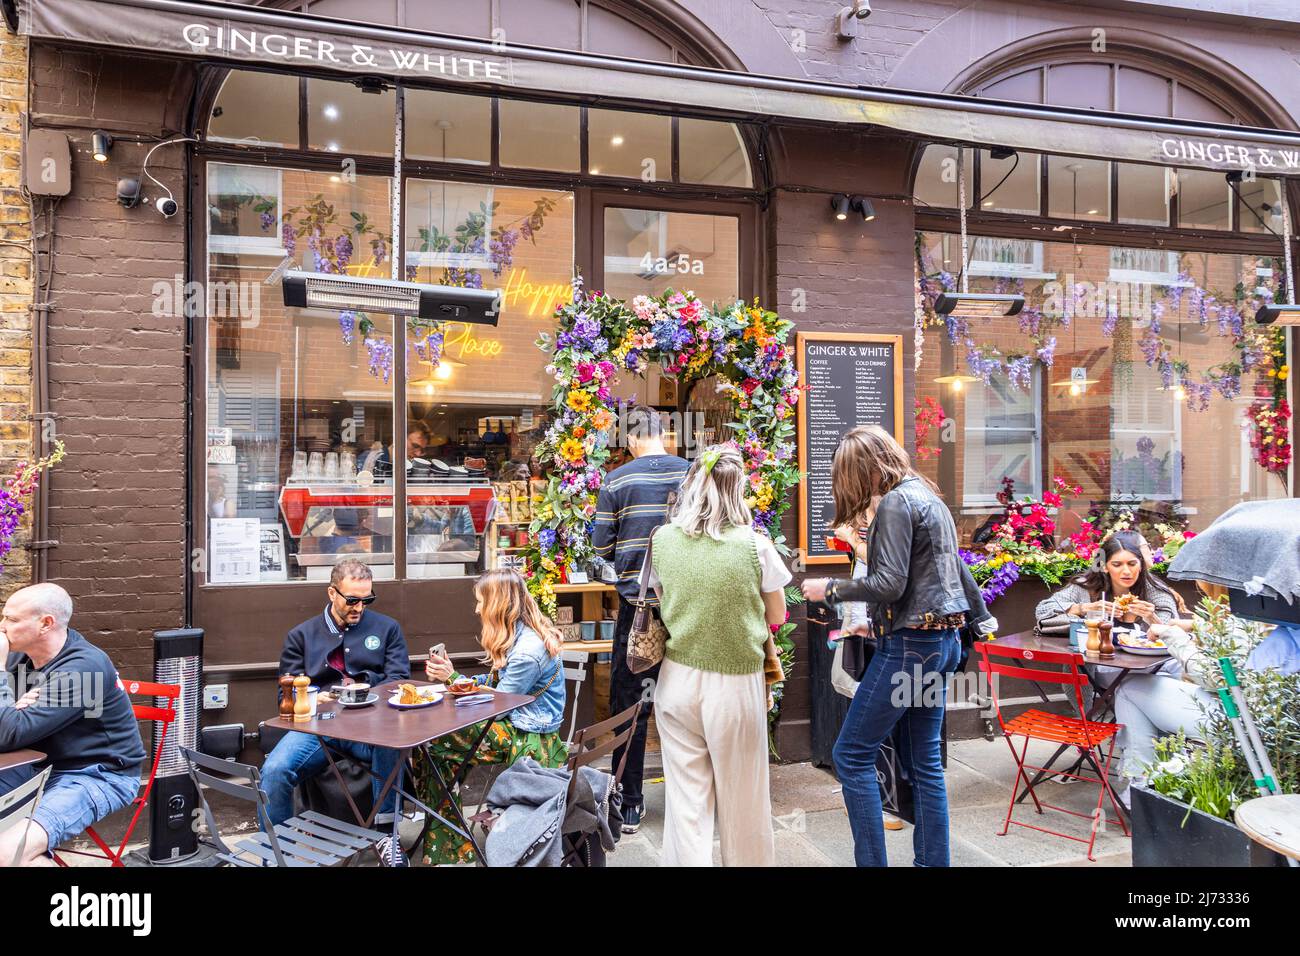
363, 702
408, 697
463, 686
1135, 642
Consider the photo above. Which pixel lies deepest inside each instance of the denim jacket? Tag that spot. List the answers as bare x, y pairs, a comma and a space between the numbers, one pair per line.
528, 669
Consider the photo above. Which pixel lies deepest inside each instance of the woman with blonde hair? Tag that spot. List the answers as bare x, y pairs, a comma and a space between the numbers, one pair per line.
721, 589
918, 600
522, 646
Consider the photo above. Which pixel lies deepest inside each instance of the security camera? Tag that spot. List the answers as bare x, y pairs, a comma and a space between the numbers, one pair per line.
128, 192
166, 205
846, 28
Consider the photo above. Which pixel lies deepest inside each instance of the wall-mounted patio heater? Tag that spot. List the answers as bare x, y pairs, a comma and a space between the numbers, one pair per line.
177, 659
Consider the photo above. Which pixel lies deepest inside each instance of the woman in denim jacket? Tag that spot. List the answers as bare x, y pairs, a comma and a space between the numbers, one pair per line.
917, 594
522, 646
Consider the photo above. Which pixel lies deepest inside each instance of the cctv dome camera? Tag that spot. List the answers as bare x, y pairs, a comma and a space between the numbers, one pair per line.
167, 206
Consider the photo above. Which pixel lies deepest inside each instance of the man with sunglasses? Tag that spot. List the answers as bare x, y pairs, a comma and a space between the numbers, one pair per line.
346, 643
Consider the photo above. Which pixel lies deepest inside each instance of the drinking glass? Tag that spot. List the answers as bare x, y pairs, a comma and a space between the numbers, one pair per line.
316, 465
332, 465
299, 464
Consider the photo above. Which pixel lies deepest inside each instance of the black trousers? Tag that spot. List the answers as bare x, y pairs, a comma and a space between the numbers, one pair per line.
625, 689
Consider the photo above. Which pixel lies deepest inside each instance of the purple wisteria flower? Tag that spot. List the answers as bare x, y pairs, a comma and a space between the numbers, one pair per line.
1020, 371
348, 323
1047, 353
380, 352
546, 538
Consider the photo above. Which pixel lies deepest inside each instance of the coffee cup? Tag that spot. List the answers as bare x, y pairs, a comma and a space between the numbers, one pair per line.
354, 693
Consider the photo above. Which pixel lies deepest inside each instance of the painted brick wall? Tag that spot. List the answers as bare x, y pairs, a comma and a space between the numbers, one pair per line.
15, 294
116, 370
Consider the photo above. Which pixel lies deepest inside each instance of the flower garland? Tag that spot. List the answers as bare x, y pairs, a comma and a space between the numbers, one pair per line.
1269, 415
929, 416
17, 488
597, 338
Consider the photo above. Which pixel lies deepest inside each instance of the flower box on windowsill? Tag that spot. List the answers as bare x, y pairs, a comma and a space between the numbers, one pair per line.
1161, 839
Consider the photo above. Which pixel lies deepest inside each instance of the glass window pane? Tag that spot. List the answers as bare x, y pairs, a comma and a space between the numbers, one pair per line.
712, 153
1144, 194
447, 127
256, 109
540, 135
1264, 196
637, 145
648, 251
341, 118
294, 400
936, 177
1203, 200
1145, 458
1001, 440
1019, 192
1078, 188
483, 405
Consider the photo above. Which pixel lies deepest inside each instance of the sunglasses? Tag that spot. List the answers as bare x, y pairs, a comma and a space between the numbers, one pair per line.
354, 601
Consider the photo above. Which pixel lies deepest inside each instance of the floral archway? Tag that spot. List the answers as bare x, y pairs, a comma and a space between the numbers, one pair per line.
600, 338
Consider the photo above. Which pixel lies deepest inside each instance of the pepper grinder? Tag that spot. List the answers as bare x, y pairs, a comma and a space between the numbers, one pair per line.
286, 697
301, 705
1107, 646
1094, 639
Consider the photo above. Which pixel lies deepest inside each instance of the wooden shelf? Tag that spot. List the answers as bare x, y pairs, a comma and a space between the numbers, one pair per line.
580, 588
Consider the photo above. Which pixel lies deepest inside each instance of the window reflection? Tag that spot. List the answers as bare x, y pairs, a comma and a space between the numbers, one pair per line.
648, 251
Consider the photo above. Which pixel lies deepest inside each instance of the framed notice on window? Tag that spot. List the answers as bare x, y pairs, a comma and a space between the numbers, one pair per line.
853, 379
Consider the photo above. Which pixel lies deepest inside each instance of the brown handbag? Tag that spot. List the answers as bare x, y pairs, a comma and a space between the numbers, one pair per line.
648, 637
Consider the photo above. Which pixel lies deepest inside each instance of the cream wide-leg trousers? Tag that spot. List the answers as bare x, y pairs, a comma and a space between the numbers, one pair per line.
713, 733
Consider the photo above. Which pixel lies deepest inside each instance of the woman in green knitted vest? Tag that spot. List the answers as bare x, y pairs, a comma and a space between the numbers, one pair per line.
720, 587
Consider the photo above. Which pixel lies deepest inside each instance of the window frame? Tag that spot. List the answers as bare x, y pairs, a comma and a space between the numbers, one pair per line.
977, 502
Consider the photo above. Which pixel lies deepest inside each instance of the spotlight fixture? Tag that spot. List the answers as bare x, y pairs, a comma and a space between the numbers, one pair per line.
978, 304
1003, 152
100, 145
863, 205
312, 290
846, 21
841, 204
957, 380
1078, 381
1278, 313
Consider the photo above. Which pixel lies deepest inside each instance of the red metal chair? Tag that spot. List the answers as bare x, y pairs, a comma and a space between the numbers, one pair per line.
164, 716
1085, 735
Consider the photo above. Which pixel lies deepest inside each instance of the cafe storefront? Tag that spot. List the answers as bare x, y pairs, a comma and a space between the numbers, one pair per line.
292, 436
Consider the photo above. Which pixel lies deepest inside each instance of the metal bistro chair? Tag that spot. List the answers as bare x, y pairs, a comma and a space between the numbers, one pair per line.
312, 839
163, 718
1087, 737
582, 753
20, 804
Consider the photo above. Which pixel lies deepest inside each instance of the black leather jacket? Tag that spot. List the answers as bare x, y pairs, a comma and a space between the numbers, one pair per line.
914, 571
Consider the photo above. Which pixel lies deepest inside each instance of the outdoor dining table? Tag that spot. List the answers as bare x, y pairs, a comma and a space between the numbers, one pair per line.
1104, 698
20, 758
407, 730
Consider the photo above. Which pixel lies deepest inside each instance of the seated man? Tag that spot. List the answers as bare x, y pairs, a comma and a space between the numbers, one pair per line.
346, 643
77, 716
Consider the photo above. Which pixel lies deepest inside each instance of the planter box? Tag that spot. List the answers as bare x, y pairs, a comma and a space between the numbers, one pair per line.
1160, 839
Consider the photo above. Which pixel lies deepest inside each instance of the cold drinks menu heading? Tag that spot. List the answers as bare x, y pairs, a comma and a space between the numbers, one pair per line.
852, 380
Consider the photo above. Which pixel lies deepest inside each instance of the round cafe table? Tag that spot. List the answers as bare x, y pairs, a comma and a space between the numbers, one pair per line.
1272, 821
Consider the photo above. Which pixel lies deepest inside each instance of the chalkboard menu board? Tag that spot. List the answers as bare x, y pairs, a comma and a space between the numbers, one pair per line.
853, 379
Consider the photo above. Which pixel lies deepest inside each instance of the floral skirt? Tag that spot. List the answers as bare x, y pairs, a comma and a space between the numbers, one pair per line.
503, 744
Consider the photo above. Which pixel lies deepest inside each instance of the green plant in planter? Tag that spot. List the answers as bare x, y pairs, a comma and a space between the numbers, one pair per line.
1202, 777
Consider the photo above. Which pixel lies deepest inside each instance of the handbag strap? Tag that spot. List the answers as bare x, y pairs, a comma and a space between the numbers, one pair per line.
647, 566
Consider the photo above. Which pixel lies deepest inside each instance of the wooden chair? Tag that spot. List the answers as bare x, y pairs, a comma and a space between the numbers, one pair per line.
311, 839
20, 804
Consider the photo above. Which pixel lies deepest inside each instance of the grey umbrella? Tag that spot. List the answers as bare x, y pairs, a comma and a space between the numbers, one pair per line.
1254, 547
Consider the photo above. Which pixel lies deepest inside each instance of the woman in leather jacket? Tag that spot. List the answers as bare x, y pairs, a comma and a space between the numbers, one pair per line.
915, 589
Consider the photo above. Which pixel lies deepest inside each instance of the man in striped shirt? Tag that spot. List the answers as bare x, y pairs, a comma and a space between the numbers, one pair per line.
633, 502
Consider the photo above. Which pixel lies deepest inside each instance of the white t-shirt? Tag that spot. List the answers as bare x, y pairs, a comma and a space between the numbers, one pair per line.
775, 574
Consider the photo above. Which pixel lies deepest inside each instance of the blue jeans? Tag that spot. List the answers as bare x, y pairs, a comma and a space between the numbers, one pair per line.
75, 799
905, 685
298, 757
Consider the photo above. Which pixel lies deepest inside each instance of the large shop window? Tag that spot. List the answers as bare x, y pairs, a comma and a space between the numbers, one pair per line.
649, 251
300, 402
1129, 435
483, 406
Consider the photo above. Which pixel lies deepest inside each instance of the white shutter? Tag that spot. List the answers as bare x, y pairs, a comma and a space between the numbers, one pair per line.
248, 403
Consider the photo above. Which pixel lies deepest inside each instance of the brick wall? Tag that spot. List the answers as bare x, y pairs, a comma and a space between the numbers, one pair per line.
15, 295
116, 370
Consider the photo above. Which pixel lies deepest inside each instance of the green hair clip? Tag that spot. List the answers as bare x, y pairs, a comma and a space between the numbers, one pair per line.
710, 458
